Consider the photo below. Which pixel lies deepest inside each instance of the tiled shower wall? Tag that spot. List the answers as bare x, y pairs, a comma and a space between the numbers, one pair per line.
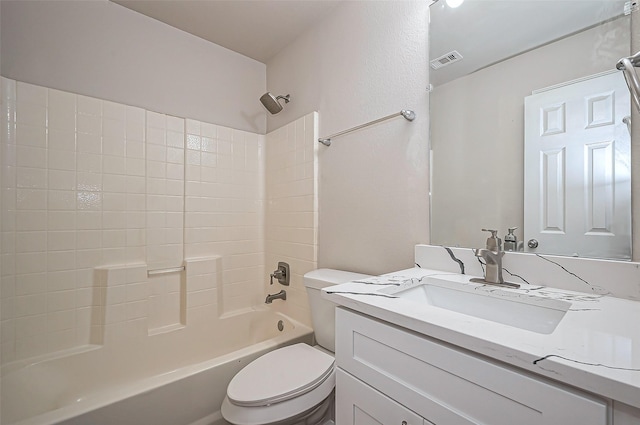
90, 185
292, 208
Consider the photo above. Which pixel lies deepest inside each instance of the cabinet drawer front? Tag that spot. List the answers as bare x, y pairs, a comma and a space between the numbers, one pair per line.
450, 386
359, 404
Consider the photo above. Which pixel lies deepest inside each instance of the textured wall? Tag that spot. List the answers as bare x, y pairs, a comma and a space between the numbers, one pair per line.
101, 49
364, 61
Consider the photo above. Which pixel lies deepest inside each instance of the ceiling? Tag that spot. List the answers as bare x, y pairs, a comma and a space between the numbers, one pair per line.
487, 31
258, 29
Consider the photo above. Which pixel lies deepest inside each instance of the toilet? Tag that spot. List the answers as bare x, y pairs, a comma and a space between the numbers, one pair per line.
292, 385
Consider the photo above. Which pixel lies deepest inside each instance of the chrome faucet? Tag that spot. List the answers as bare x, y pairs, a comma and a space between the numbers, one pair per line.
282, 295
492, 255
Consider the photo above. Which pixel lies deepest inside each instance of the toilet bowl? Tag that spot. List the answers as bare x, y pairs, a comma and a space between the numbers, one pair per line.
292, 385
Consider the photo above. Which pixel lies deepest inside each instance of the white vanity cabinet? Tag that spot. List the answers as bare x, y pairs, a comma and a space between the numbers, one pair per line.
390, 375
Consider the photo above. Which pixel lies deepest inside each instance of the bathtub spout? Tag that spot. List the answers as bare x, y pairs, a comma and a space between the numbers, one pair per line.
282, 295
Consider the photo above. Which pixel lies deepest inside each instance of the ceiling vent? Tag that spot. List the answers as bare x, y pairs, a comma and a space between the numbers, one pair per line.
445, 60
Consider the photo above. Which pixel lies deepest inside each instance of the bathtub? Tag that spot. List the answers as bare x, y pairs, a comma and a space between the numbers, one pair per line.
167, 379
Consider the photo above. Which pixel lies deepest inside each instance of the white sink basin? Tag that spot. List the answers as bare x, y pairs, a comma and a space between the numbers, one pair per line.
513, 308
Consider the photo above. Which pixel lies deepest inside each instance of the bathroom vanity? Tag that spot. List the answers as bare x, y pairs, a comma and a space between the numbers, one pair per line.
423, 346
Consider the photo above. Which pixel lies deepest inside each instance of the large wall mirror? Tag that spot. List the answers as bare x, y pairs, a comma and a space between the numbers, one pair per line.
530, 125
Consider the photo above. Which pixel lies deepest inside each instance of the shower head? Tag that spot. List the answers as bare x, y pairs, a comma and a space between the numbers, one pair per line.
271, 102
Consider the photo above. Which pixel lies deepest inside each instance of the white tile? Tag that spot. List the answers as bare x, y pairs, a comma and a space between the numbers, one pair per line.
135, 115
193, 127
113, 129
61, 260
89, 162
31, 114
31, 262
59, 220
88, 239
135, 131
61, 111
156, 136
114, 183
61, 179
135, 149
30, 241
61, 280
175, 139
135, 167
91, 182
156, 153
114, 111
114, 164
88, 258
61, 200
61, 240
113, 146
32, 93
175, 124
136, 184
31, 199
28, 135
114, 220
29, 284
61, 320
89, 220
89, 124
156, 120
88, 105
114, 201
35, 178
27, 156
114, 238
88, 201
61, 160
60, 300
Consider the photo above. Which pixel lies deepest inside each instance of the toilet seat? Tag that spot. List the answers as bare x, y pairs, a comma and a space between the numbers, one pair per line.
280, 375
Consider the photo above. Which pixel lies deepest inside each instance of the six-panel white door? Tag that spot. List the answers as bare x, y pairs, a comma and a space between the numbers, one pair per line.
577, 188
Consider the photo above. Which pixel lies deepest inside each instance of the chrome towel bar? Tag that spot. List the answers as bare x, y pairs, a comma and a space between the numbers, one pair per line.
407, 114
164, 271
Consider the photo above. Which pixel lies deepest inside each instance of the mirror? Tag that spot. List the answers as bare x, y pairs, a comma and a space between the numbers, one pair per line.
488, 59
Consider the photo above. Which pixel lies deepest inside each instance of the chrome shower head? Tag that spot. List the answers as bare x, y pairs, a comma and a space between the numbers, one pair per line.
271, 102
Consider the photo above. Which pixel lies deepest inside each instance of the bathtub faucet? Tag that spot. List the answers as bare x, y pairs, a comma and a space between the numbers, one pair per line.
282, 295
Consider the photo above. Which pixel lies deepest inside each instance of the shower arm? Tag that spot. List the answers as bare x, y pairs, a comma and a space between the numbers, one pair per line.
627, 65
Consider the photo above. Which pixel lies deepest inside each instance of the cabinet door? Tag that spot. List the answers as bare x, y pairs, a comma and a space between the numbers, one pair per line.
449, 386
359, 404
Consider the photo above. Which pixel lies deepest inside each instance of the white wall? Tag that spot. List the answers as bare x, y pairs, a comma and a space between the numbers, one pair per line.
101, 49
364, 61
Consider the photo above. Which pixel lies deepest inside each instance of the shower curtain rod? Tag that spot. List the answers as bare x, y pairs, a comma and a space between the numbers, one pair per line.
407, 114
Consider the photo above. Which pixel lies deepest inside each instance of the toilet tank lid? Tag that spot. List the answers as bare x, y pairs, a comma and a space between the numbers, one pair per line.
321, 278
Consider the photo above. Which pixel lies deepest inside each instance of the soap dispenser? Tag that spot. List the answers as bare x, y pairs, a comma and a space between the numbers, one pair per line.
494, 243
510, 240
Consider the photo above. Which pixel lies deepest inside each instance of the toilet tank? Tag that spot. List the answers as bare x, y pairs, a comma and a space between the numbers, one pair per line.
323, 311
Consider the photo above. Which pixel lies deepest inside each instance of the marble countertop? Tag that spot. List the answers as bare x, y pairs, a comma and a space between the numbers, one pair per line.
595, 347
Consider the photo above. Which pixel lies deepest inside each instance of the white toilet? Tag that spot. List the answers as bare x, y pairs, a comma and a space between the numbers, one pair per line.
292, 385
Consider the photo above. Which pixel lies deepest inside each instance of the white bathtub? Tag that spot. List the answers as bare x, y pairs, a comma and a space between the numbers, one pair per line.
168, 379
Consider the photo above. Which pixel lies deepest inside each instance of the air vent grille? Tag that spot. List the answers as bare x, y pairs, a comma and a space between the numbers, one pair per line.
444, 60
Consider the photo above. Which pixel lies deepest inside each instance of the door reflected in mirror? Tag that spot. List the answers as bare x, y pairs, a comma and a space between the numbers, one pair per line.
569, 189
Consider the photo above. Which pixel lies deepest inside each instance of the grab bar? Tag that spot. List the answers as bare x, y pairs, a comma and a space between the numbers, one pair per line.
407, 114
165, 271
626, 65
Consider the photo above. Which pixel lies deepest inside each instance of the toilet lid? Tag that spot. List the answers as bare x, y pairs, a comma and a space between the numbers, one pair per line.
280, 375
